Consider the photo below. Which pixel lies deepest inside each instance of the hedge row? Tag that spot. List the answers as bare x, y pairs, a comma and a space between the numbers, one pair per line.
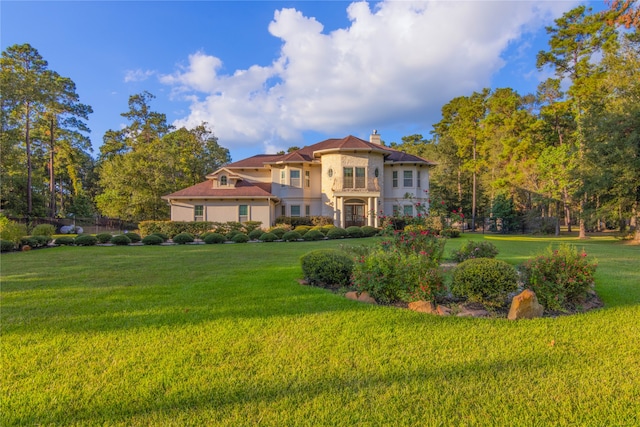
197, 228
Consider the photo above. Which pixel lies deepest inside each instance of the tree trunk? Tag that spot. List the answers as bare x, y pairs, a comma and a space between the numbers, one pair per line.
52, 182
582, 234
473, 197
28, 148
557, 218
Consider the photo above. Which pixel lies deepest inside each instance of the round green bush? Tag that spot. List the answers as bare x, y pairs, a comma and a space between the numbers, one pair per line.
337, 233
230, 235
354, 232
43, 230
475, 250
326, 228
7, 246
120, 240
213, 238
29, 241
484, 280
291, 236
279, 232
64, 241
183, 238
152, 239
163, 236
450, 232
255, 234
240, 238
312, 235
104, 237
134, 237
86, 240
327, 267
369, 231
268, 237
302, 229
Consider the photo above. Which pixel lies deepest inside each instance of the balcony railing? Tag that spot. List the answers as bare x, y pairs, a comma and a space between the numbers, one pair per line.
357, 185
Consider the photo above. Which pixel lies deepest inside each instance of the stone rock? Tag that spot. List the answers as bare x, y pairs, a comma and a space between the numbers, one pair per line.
423, 307
525, 306
473, 312
443, 310
363, 297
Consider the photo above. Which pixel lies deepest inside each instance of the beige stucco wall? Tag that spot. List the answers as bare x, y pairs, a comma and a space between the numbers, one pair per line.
396, 196
223, 210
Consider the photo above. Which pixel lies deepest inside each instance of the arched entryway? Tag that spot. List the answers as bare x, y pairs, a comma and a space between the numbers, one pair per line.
355, 213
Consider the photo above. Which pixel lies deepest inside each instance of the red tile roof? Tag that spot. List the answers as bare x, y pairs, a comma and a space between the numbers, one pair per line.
207, 190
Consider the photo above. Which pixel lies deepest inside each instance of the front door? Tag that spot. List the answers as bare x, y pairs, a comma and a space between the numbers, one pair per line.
354, 215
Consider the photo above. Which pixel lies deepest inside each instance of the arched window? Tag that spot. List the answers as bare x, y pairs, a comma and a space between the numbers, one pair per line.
223, 180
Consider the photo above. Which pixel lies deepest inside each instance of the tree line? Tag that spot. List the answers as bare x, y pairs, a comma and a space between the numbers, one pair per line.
570, 153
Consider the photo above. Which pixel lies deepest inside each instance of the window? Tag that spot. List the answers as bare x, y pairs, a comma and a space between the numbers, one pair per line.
408, 178
243, 213
283, 177
396, 209
307, 210
198, 213
376, 173
283, 210
294, 178
223, 180
408, 210
395, 179
295, 210
418, 180
350, 182
360, 178
307, 179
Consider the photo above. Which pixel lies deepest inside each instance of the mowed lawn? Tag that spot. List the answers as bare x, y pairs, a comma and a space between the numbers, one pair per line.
225, 335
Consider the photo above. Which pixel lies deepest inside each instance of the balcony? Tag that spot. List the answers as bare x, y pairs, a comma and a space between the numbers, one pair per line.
357, 185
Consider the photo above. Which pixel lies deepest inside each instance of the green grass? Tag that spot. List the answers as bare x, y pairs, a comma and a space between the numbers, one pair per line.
224, 335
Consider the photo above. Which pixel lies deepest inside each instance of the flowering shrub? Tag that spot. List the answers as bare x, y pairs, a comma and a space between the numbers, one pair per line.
559, 277
402, 268
475, 250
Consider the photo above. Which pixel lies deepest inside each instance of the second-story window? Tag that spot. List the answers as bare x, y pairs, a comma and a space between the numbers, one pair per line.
283, 178
408, 178
395, 179
418, 180
354, 181
223, 180
294, 178
307, 179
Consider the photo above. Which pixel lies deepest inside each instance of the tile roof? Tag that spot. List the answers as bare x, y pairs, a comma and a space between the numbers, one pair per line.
206, 190
257, 161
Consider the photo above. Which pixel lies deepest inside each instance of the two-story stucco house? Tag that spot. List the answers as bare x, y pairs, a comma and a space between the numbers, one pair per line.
351, 180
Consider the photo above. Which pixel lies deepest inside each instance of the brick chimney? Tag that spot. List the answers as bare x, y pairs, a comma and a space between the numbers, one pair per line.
374, 138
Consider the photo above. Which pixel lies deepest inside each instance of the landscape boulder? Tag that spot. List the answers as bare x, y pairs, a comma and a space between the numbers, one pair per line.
525, 306
362, 297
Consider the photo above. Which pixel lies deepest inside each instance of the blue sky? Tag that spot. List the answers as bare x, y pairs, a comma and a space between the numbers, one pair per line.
267, 75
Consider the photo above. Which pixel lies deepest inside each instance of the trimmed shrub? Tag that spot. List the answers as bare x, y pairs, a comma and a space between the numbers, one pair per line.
484, 280
250, 226
7, 246
294, 221
213, 238
326, 228
369, 231
43, 230
134, 237
268, 237
230, 235
152, 239
279, 232
104, 237
255, 234
328, 267
120, 240
337, 233
29, 241
86, 240
13, 231
475, 250
183, 238
560, 277
302, 229
240, 238
354, 232
450, 232
64, 241
291, 236
313, 235
163, 236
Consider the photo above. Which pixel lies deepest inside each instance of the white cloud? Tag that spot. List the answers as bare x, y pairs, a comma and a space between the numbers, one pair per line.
395, 65
137, 75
